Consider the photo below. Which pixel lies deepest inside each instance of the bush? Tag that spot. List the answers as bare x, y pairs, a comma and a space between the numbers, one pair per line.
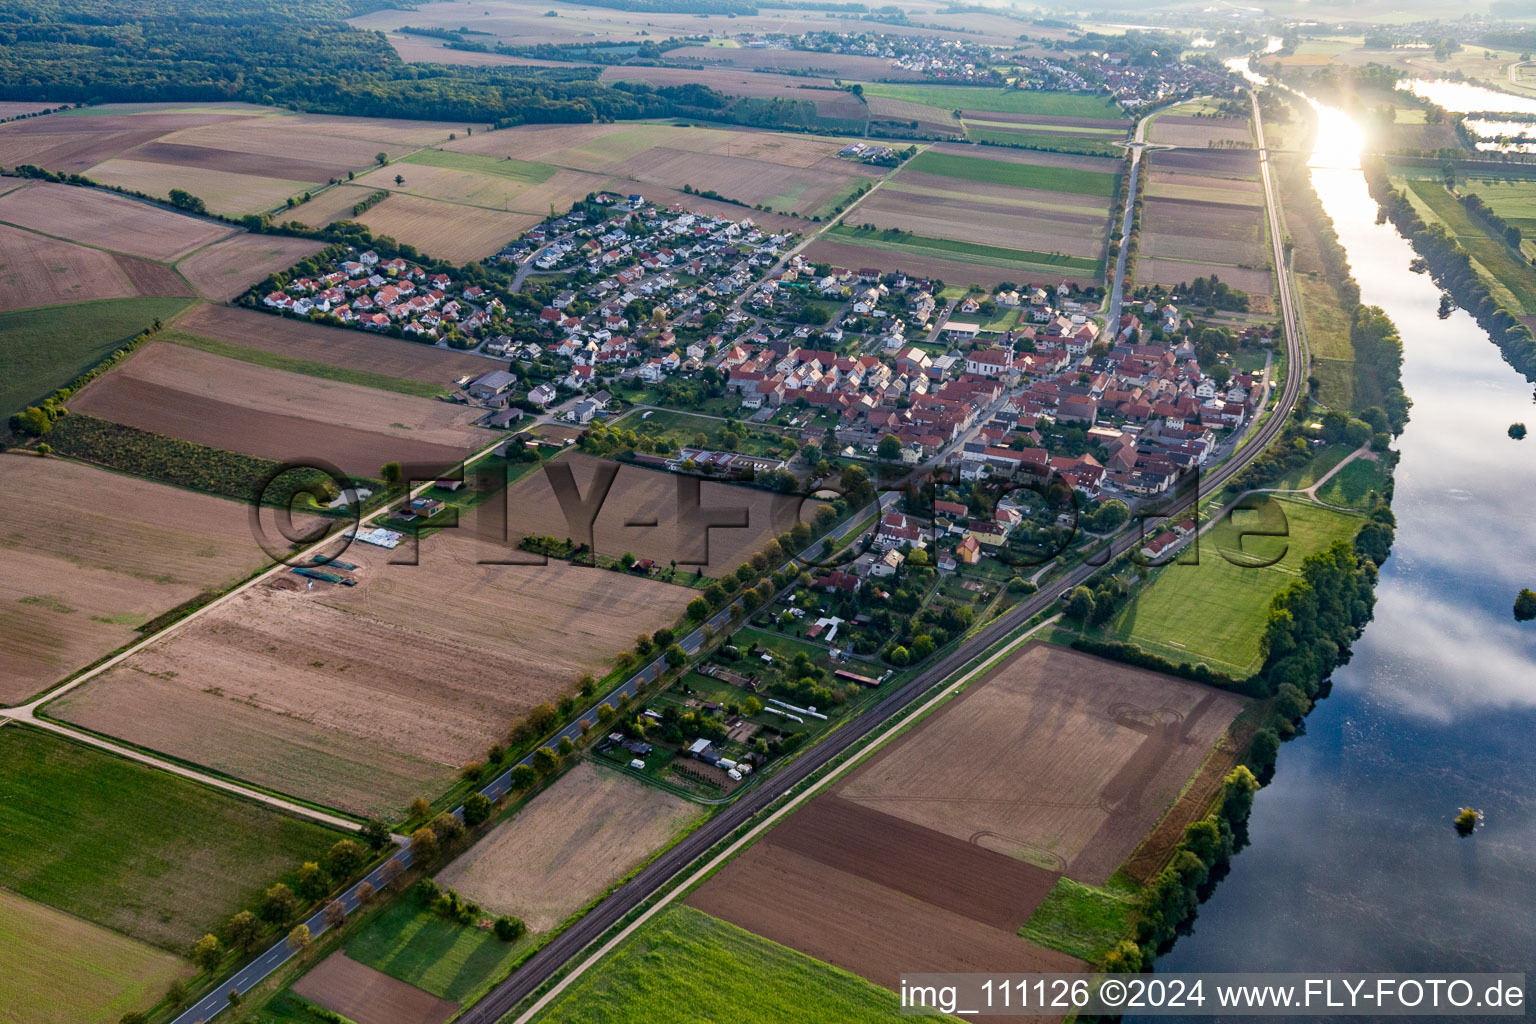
509, 929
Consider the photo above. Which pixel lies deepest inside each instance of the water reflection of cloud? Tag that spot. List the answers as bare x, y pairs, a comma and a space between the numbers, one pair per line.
1436, 658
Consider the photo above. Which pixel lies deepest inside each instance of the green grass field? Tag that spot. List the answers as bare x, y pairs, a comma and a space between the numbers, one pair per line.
685, 967
517, 170
1327, 326
288, 1008
1081, 920
1323, 460
62, 970
1004, 172
1352, 485
1003, 101
406, 940
151, 855
1495, 257
966, 252
44, 349
1088, 145
1215, 611
308, 367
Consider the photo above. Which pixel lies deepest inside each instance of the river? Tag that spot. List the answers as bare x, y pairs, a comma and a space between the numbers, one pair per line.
1353, 863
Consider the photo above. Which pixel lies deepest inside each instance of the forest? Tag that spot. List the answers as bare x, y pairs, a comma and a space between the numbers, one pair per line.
301, 54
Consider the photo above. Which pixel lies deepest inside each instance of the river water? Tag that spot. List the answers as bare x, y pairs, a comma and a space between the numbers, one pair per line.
1353, 862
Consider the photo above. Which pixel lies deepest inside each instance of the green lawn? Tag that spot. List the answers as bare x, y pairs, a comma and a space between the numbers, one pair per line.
1081, 920
1065, 141
44, 349
149, 854
1494, 256
682, 428
1351, 485
1327, 326
1323, 459
288, 1008
1004, 101
965, 252
517, 170
308, 367
406, 940
1007, 172
61, 970
1215, 611
685, 967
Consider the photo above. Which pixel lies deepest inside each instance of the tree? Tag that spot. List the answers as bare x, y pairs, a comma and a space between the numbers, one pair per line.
420, 807
524, 776
663, 638
509, 929
298, 939
345, 857
1466, 821
676, 656
447, 827
244, 930
1525, 605
312, 880
391, 474
477, 808
335, 914
605, 713
424, 846
643, 644
382, 159
176, 993
1080, 604
1517, 431
278, 904
472, 771
1110, 516
567, 746
698, 608
545, 760
587, 684
32, 421
889, 448
375, 833
898, 656
922, 645
365, 893
207, 954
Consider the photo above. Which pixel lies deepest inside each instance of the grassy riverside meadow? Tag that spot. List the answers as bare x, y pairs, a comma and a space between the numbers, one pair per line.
149, 854
47, 348
686, 967
1500, 266
1215, 611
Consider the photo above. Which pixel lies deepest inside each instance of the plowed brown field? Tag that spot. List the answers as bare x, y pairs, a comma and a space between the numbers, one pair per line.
89, 555
362, 994
225, 269
226, 403
36, 270
364, 697
107, 221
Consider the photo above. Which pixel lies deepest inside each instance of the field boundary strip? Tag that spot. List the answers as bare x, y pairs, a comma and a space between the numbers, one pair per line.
946, 690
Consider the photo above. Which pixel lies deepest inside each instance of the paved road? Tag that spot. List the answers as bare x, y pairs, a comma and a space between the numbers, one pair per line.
1117, 288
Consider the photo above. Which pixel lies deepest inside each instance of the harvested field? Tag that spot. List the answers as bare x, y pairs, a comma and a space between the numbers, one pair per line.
1220, 163
331, 205
364, 697
1055, 174
860, 925
300, 339
78, 141
16, 108
260, 164
224, 192
1172, 273
225, 403
568, 846
830, 100
1065, 204
445, 230
784, 188
1068, 760
833, 65
36, 270
928, 118
1186, 229
225, 269
425, 50
1030, 158
644, 496
1046, 120
62, 970
844, 254
986, 223
1199, 132
1185, 185
362, 994
101, 219
92, 554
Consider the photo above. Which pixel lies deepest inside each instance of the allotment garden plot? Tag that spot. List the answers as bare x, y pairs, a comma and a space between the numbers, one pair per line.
365, 696
92, 555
